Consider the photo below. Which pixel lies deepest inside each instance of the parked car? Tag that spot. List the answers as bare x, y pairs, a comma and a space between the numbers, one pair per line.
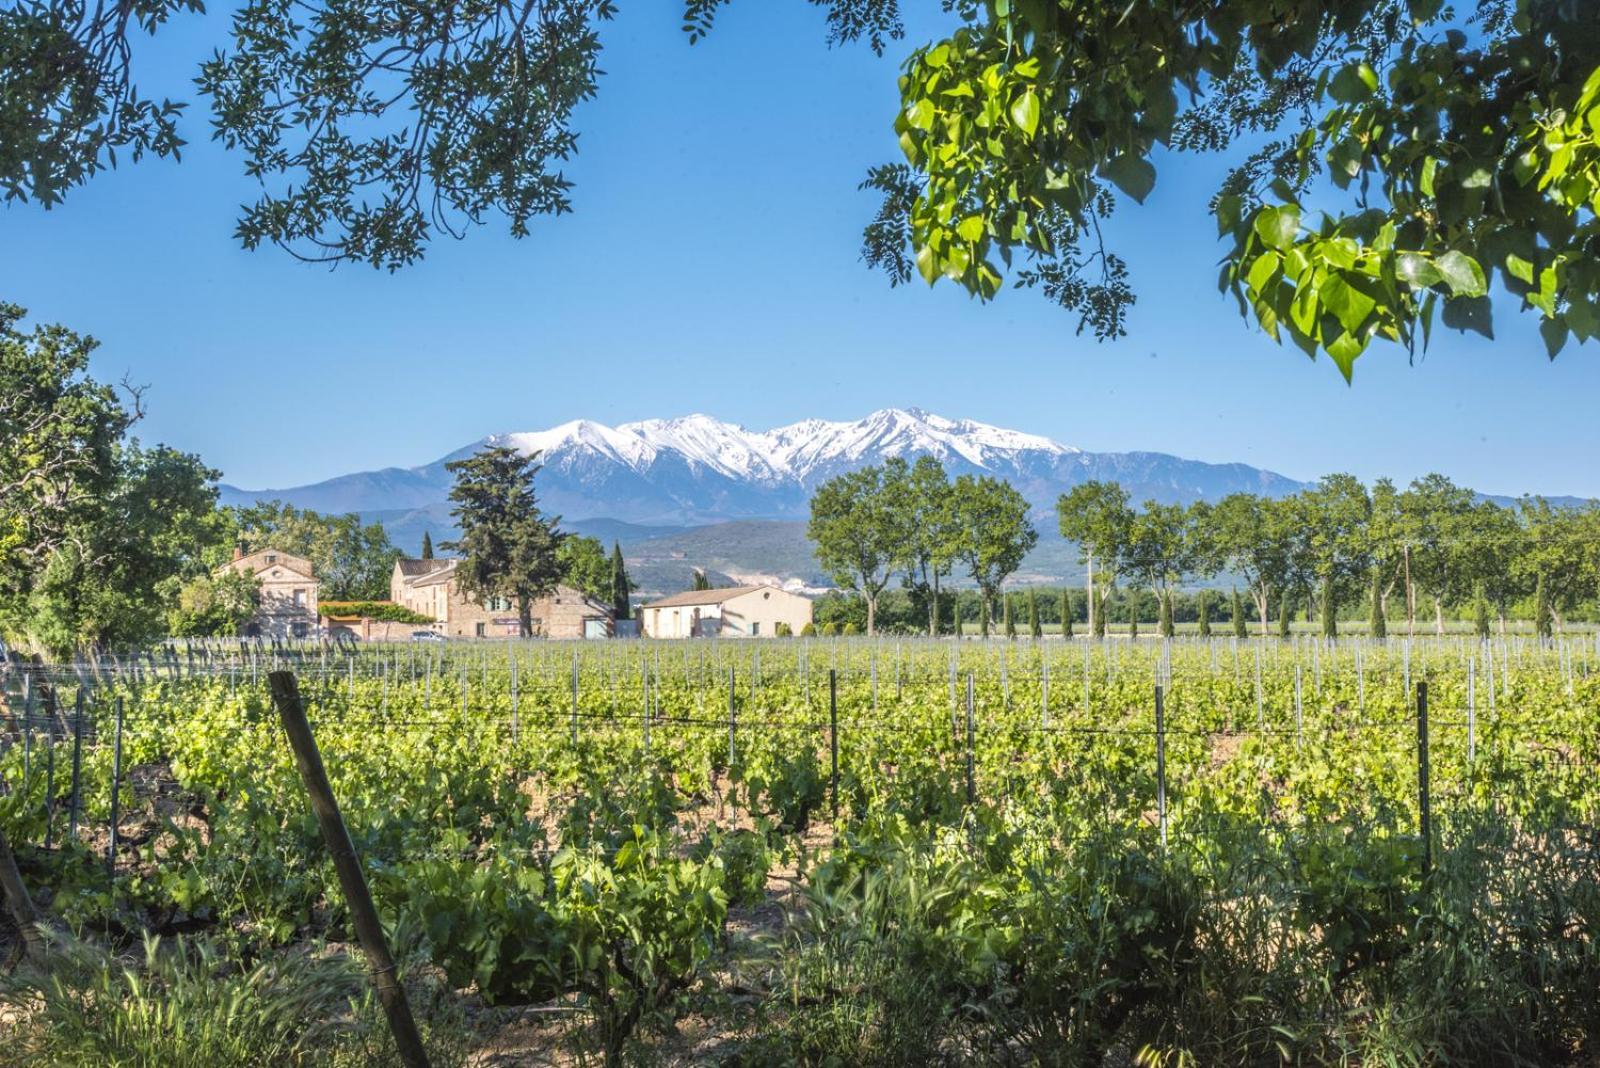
426, 636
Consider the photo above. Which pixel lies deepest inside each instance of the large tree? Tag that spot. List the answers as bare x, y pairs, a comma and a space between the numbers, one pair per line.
994, 532
858, 533
585, 566
1096, 515
96, 531
1254, 536
1440, 516
923, 496
353, 560
1331, 560
508, 548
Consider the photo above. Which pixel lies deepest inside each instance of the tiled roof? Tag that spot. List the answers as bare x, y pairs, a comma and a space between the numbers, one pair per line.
697, 597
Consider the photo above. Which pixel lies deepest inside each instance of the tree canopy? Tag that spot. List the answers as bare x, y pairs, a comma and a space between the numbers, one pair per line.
508, 547
1395, 162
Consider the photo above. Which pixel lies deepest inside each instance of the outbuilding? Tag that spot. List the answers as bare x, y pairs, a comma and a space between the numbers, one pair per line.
735, 612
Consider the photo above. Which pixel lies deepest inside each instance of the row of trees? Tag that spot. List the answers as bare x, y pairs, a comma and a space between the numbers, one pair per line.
913, 520
1339, 542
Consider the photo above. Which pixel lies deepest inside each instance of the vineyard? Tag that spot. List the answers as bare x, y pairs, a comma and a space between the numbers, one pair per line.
821, 852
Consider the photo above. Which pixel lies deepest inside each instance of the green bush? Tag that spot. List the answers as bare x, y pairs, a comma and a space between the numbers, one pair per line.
783, 630
380, 611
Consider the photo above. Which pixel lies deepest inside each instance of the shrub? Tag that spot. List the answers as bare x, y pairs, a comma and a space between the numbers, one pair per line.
808, 631
182, 1005
783, 630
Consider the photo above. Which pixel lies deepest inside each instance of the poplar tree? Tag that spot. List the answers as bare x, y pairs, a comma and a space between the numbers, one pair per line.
1480, 618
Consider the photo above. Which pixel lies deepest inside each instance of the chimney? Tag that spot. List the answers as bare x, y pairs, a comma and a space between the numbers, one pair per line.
238, 553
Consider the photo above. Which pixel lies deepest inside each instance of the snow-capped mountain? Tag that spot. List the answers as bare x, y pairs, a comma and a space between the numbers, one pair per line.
697, 469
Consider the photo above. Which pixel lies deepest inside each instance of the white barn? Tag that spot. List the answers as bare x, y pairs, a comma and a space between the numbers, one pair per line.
737, 612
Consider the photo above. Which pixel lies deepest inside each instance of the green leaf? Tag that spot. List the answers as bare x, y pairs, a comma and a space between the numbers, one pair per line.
927, 265
1462, 274
1430, 167
1354, 83
1344, 349
920, 115
1229, 208
1417, 270
971, 228
1518, 267
1347, 304
938, 57
1470, 313
1278, 226
1263, 270
1554, 332
1132, 174
1025, 112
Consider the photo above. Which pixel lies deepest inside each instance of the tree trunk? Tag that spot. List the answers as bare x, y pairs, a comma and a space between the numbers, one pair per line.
1438, 616
525, 616
1089, 587
872, 613
1263, 599
933, 611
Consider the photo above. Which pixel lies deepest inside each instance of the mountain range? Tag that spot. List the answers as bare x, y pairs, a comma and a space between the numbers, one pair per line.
699, 492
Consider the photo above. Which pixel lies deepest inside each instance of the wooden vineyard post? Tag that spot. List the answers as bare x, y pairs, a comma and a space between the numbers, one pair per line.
1425, 810
286, 697
833, 740
1161, 764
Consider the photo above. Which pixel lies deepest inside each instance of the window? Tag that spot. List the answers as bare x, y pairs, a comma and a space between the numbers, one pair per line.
755, 629
479, 630
272, 558
299, 598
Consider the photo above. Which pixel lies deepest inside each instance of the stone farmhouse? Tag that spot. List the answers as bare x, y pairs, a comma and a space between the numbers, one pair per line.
286, 606
431, 588
737, 612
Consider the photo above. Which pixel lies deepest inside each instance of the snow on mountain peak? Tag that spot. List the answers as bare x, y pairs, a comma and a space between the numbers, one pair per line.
793, 453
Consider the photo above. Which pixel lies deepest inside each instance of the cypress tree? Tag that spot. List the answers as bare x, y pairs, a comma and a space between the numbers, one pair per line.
1481, 613
1542, 620
427, 545
1284, 608
1133, 613
1205, 613
1165, 616
1380, 625
1010, 624
1066, 613
1035, 624
1330, 622
1237, 608
620, 585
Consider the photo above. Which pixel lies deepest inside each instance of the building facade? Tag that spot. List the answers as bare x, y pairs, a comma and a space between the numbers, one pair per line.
432, 588
286, 606
737, 612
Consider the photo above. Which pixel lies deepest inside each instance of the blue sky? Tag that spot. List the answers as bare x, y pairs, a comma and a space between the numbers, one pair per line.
712, 265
